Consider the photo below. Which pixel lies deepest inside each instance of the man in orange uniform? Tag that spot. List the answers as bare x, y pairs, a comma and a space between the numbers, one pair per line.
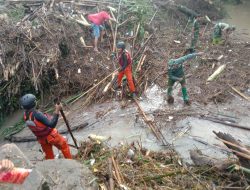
43, 127
125, 62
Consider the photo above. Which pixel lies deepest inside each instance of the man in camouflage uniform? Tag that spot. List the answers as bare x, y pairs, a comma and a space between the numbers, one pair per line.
219, 29
176, 74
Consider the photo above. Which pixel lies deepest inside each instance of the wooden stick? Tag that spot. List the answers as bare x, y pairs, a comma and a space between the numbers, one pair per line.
116, 26
147, 121
241, 94
116, 171
111, 181
234, 145
107, 87
89, 90
143, 45
141, 63
227, 123
136, 33
241, 154
153, 17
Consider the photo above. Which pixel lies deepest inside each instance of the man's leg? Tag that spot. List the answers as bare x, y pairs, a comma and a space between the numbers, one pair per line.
96, 33
119, 78
169, 91
47, 149
59, 142
184, 92
102, 28
129, 75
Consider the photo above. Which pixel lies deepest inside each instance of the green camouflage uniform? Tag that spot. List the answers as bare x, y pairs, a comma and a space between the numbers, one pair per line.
218, 29
175, 72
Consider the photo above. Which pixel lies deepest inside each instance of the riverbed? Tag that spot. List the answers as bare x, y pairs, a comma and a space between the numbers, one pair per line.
239, 15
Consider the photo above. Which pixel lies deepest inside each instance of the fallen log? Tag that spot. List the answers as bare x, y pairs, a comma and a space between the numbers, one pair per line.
33, 138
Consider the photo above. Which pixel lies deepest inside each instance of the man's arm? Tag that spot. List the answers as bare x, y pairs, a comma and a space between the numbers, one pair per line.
43, 119
185, 58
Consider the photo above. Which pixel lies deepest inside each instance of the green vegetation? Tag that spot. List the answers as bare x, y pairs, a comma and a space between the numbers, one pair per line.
16, 13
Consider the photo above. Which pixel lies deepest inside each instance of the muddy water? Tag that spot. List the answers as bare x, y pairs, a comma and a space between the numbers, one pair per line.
11, 120
239, 16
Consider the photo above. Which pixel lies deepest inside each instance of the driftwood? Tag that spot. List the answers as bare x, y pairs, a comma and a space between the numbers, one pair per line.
226, 123
242, 154
33, 138
200, 159
111, 181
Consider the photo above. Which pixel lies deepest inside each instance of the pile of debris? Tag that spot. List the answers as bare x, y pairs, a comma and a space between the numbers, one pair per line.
133, 167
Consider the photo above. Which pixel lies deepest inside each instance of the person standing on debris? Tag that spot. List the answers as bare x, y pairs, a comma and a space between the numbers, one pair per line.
125, 62
176, 74
43, 127
219, 29
196, 33
97, 25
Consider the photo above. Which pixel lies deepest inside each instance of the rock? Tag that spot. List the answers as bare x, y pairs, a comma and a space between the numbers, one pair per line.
63, 174
35, 181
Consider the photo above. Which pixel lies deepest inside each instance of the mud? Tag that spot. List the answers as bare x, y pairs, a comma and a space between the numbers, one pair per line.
125, 125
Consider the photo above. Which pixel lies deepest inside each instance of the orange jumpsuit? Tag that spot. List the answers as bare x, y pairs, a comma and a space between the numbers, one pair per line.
43, 128
125, 62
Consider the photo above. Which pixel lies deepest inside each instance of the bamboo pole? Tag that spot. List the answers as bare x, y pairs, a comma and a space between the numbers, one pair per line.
89, 90
116, 26
216, 73
111, 181
241, 94
234, 145
119, 180
136, 33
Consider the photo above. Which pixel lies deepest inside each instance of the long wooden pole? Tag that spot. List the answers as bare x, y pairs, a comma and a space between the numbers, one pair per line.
67, 124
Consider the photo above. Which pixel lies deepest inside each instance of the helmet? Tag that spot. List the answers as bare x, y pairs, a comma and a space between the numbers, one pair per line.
121, 45
28, 101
